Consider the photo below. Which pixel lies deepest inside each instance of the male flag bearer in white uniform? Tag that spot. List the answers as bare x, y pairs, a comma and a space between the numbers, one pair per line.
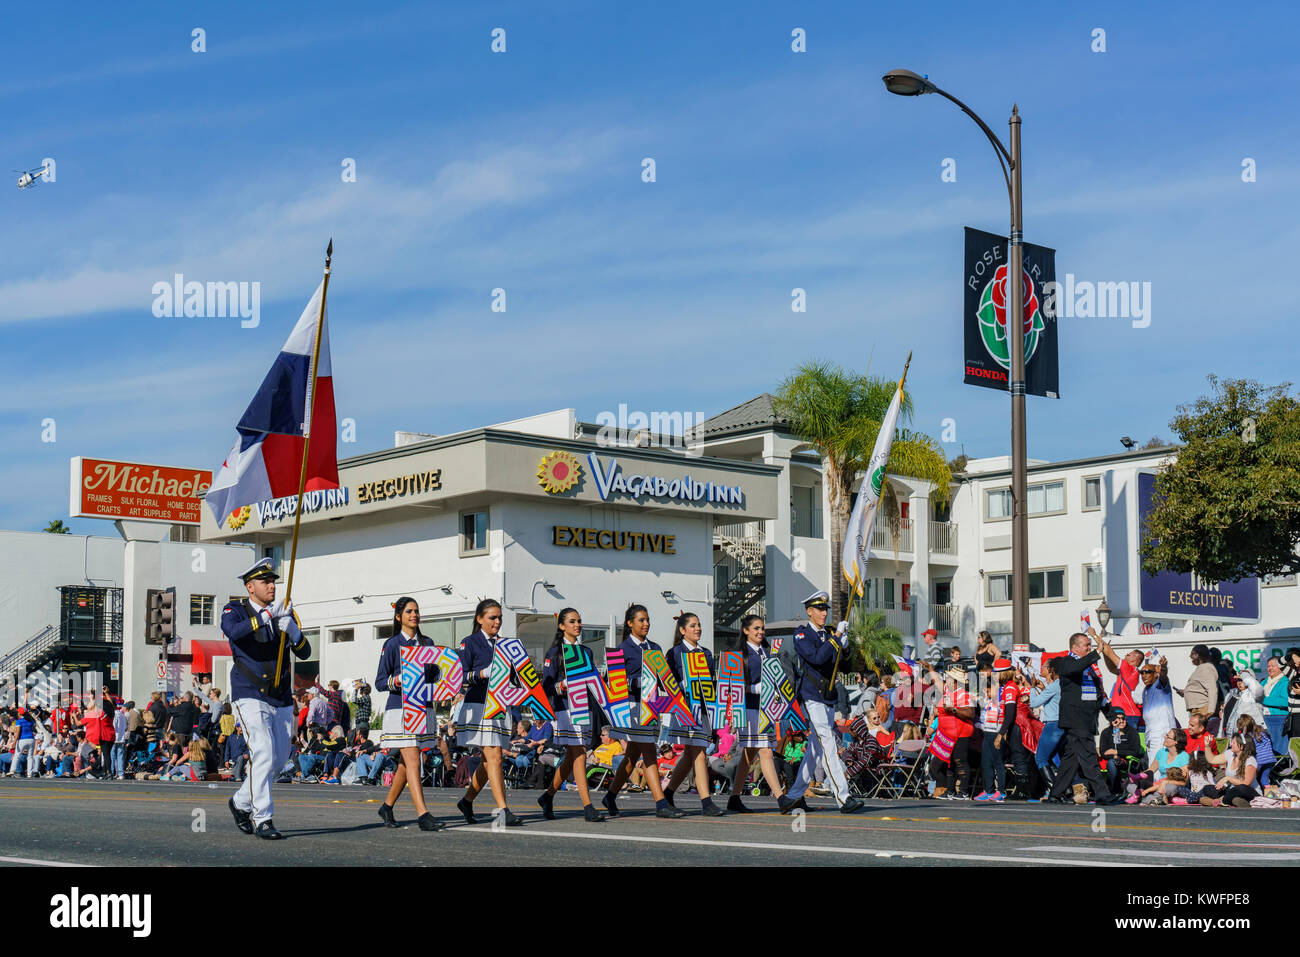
819, 651
262, 632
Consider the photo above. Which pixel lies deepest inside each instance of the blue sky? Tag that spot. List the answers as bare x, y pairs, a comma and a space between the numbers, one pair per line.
522, 170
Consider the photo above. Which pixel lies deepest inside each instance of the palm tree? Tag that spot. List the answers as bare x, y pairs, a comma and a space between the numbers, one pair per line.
840, 413
871, 643
57, 527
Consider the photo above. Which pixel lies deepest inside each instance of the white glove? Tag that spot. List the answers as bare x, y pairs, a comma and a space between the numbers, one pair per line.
841, 629
756, 688
276, 609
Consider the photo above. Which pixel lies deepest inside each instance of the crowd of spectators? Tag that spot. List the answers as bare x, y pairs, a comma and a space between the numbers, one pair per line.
995, 738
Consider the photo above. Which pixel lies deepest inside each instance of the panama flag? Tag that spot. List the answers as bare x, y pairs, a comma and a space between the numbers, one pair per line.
857, 537
266, 461
905, 665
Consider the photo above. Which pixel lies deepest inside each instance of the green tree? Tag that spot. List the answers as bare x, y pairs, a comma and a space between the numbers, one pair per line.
1229, 506
57, 527
871, 643
839, 413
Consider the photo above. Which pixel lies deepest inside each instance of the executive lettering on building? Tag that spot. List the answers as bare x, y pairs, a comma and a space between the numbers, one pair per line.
1200, 599
611, 481
566, 536
416, 483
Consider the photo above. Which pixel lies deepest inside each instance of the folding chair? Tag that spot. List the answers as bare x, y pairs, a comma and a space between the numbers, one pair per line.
598, 776
902, 776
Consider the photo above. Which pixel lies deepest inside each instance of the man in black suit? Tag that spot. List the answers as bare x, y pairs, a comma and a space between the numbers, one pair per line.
1081, 697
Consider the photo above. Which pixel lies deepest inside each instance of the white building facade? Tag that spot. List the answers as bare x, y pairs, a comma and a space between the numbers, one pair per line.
524, 513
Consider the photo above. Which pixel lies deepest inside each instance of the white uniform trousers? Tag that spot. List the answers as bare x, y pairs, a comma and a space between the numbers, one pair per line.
268, 731
821, 749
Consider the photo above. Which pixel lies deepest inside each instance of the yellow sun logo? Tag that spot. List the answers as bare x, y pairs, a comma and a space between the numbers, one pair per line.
239, 518
559, 472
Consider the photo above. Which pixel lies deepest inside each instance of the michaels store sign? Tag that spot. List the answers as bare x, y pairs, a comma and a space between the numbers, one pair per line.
611, 481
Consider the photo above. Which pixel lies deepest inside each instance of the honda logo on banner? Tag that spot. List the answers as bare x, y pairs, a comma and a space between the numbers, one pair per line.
986, 293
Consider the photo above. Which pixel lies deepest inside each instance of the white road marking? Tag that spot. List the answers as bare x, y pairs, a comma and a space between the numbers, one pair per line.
1197, 855
817, 848
29, 860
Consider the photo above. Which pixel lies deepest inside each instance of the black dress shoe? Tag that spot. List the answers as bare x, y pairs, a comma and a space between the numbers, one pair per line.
511, 819
610, 805
467, 808
430, 823
786, 804
590, 814
737, 806
386, 815
547, 803
712, 810
668, 811
267, 832
852, 805
243, 820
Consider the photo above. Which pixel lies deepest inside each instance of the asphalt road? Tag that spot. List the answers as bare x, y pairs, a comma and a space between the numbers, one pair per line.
133, 823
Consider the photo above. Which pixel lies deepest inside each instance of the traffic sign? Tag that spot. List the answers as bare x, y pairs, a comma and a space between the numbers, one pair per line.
162, 668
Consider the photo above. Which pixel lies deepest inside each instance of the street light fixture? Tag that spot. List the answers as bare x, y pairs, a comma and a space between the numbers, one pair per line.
1103, 614
907, 83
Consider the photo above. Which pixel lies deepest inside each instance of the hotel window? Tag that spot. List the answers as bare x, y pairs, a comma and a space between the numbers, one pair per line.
1047, 498
1045, 584
201, 609
1091, 492
997, 503
1092, 584
339, 635
473, 533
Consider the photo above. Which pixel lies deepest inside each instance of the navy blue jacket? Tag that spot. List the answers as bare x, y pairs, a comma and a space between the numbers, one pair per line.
390, 665
476, 653
678, 667
754, 658
632, 664
255, 648
235, 749
553, 674
818, 655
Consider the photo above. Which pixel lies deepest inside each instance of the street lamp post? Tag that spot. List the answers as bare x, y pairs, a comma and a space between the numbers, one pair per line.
907, 83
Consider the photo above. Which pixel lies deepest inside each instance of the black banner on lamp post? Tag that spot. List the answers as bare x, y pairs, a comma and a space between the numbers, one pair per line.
984, 315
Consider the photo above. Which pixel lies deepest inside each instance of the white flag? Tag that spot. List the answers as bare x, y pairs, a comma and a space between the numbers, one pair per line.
857, 537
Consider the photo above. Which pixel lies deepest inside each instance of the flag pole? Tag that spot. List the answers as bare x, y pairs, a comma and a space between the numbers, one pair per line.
857, 578
306, 438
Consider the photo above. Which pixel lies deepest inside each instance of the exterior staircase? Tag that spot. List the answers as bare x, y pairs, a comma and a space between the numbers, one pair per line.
745, 571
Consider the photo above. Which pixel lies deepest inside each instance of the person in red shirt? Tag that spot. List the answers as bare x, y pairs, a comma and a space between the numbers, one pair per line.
999, 726
1126, 670
950, 745
1198, 738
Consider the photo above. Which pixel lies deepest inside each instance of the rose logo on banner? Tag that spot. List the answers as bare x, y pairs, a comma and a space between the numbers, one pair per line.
993, 317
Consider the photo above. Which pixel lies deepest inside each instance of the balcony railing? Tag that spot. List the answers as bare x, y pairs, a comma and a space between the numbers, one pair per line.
896, 616
883, 539
947, 619
741, 530
943, 538
806, 522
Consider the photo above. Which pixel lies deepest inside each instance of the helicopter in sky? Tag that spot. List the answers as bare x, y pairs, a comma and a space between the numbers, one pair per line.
30, 177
